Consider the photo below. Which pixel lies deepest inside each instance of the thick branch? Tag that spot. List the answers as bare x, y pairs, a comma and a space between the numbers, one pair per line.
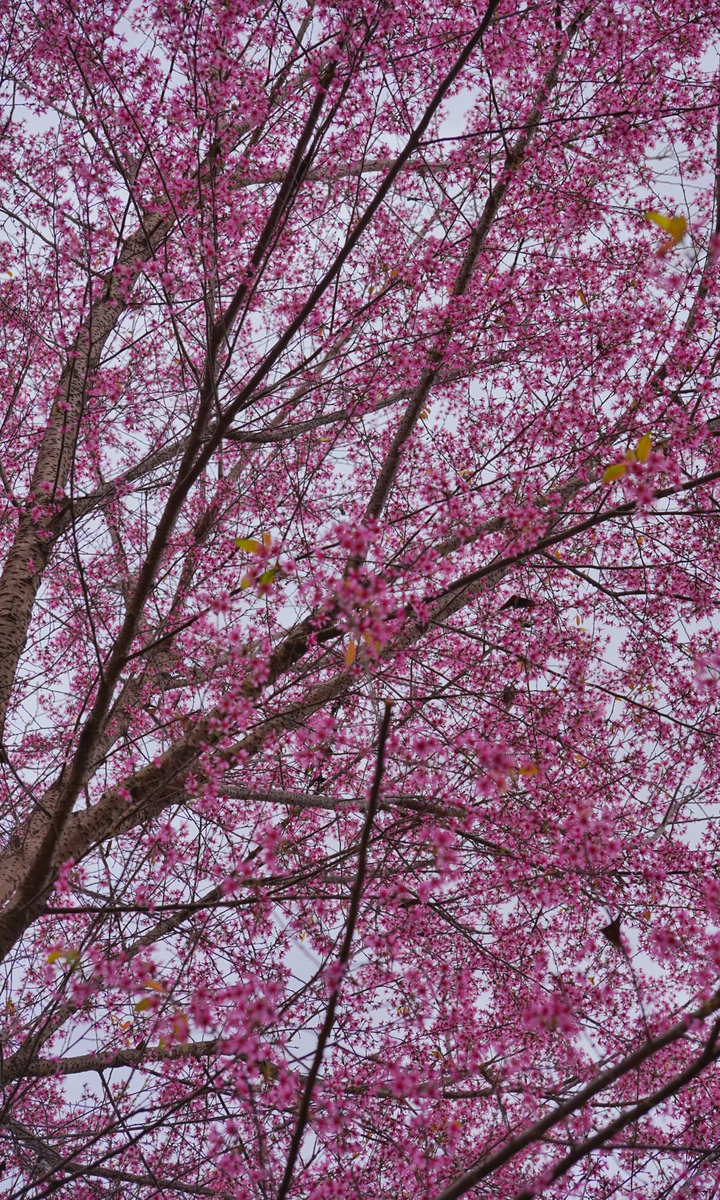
47, 1068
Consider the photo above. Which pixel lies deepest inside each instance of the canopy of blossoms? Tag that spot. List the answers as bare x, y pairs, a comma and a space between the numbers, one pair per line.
359, 599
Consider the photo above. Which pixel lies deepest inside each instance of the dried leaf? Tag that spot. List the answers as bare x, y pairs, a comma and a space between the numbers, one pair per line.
517, 602
350, 652
611, 933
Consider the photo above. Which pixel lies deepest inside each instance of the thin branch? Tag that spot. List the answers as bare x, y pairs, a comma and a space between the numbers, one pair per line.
343, 959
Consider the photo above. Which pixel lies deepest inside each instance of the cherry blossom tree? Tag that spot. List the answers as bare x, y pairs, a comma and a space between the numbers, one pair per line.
359, 605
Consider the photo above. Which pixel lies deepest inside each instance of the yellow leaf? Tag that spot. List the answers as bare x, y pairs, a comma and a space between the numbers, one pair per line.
350, 652
144, 1005
644, 447
155, 985
180, 1027
266, 541
581, 294
268, 576
70, 956
246, 582
529, 770
616, 471
250, 544
674, 226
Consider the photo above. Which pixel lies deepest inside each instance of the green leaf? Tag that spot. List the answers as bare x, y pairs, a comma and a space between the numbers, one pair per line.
250, 544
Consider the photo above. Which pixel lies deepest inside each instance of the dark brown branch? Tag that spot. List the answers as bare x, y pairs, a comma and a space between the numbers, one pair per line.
598, 1140
490, 1163
343, 959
